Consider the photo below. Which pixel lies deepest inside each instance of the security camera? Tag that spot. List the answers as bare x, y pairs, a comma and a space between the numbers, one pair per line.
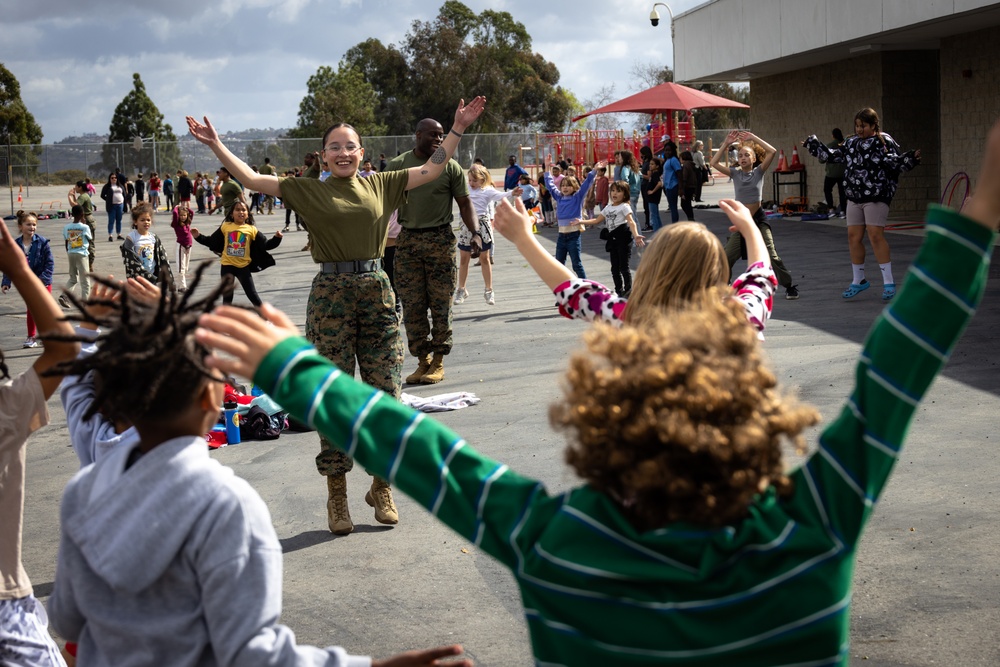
654, 18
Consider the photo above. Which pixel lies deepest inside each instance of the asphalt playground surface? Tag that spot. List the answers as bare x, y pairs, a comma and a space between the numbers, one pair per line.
927, 582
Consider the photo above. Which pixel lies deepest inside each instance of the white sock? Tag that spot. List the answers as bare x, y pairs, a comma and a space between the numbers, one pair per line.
887, 273
859, 273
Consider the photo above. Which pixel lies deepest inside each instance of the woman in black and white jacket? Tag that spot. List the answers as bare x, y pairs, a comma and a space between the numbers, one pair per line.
873, 162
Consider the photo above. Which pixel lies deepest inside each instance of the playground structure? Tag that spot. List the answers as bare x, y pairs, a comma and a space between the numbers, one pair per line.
582, 147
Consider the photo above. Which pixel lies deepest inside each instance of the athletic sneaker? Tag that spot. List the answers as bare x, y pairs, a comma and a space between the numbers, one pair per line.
64, 302
460, 295
488, 295
792, 293
30, 342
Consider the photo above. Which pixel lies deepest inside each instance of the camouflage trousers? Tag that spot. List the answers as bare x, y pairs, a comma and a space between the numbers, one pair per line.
352, 320
426, 276
89, 220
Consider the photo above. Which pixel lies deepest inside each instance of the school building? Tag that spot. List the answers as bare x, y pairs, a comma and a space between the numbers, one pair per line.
930, 68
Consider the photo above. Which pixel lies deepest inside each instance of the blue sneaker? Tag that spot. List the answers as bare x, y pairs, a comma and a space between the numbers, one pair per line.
853, 289
888, 291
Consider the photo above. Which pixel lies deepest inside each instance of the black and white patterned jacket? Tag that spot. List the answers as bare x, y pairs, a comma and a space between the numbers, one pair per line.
873, 165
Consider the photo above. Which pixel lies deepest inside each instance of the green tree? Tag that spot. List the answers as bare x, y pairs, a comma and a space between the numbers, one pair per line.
18, 127
335, 96
137, 116
457, 55
386, 70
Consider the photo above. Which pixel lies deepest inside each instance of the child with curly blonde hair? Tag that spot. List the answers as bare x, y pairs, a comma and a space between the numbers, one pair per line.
687, 542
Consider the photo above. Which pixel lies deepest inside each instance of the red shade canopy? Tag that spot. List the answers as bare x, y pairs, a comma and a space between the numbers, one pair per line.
666, 97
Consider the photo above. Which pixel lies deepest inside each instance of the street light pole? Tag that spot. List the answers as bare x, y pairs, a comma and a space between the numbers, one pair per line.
654, 18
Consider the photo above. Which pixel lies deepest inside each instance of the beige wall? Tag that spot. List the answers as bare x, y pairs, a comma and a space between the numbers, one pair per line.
969, 106
786, 108
902, 86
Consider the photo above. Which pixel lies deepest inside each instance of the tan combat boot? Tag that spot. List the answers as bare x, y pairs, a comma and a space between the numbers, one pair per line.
338, 516
435, 373
417, 375
380, 497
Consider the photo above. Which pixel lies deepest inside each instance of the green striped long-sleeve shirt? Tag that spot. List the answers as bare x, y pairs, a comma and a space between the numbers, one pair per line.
773, 590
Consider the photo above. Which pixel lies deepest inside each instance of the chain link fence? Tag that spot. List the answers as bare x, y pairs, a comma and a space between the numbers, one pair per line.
58, 164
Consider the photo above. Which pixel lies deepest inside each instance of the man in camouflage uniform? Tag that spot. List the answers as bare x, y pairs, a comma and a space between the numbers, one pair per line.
426, 268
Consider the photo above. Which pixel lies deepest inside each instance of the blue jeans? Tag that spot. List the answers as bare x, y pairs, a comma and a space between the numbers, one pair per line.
115, 219
570, 243
654, 215
672, 203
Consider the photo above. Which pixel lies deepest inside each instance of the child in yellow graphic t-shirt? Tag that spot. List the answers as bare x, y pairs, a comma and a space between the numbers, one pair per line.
243, 250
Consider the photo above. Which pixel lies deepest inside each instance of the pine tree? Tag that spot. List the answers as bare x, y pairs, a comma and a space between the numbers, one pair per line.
137, 116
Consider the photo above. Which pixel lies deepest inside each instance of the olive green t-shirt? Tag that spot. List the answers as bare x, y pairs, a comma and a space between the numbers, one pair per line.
313, 170
266, 170
430, 204
348, 217
87, 203
230, 193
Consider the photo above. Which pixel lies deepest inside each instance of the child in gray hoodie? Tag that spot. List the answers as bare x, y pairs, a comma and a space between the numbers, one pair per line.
166, 557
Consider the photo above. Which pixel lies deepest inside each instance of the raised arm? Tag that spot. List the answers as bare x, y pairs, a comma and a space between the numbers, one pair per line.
907, 347
514, 223
820, 150
206, 134
723, 150
769, 150
43, 308
465, 115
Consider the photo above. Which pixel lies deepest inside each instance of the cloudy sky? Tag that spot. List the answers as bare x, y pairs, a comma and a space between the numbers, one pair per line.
245, 62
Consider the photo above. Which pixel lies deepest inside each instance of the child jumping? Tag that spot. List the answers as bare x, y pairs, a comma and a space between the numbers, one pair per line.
164, 552
78, 239
38, 250
688, 543
24, 636
569, 194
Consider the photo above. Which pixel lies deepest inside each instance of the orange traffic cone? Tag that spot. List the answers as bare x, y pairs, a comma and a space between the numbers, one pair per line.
796, 165
782, 165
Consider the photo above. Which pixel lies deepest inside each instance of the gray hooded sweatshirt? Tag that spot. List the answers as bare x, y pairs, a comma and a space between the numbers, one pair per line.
173, 561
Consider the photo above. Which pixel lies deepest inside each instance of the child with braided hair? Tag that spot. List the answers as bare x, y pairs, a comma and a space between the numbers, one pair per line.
162, 547
687, 542
24, 638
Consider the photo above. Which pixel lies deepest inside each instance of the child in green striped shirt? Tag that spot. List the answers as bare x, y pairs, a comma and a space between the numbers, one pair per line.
687, 544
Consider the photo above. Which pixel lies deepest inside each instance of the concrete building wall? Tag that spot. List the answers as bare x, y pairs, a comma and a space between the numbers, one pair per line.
902, 86
911, 113
748, 37
786, 108
970, 99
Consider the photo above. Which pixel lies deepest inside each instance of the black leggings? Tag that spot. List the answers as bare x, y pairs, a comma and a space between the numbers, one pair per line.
245, 276
621, 252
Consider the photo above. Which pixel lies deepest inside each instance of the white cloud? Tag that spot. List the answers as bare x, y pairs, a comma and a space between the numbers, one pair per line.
246, 62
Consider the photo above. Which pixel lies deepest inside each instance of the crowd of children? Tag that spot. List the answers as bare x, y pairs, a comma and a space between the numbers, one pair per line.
687, 520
